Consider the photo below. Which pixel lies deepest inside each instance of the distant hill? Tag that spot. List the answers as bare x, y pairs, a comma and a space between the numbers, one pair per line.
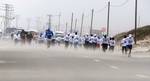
142, 33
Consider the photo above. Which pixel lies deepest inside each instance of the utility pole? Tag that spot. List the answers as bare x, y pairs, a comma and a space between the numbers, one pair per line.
91, 28
66, 28
108, 18
71, 23
29, 23
59, 22
49, 21
75, 28
38, 23
17, 18
82, 24
135, 22
6, 17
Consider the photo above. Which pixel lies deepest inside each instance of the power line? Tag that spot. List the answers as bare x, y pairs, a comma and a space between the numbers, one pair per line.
98, 11
120, 5
102, 9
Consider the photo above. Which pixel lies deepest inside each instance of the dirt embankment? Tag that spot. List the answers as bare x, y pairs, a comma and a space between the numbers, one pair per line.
143, 37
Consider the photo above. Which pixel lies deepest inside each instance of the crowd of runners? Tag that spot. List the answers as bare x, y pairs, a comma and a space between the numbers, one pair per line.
87, 41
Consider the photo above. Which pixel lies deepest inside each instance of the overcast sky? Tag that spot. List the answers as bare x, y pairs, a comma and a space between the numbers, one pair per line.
121, 18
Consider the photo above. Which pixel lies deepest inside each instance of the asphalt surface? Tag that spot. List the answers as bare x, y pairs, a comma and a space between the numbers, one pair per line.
37, 63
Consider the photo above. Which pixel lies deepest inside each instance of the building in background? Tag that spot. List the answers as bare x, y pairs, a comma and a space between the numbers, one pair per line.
99, 32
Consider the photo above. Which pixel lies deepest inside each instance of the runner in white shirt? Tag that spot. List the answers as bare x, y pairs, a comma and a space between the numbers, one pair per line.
95, 41
99, 41
112, 44
86, 41
91, 39
71, 39
81, 40
124, 45
105, 43
76, 40
66, 39
130, 43
16, 38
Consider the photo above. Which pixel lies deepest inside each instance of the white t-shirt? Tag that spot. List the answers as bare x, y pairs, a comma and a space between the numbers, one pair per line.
81, 40
130, 41
86, 38
15, 36
124, 42
66, 38
71, 39
95, 40
105, 40
76, 39
91, 39
112, 42
99, 41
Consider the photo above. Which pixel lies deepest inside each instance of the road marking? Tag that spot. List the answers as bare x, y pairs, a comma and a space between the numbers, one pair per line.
142, 76
141, 56
96, 60
86, 56
114, 67
4, 62
12, 62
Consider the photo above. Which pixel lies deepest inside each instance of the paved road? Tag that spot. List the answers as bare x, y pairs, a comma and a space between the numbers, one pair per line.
57, 64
